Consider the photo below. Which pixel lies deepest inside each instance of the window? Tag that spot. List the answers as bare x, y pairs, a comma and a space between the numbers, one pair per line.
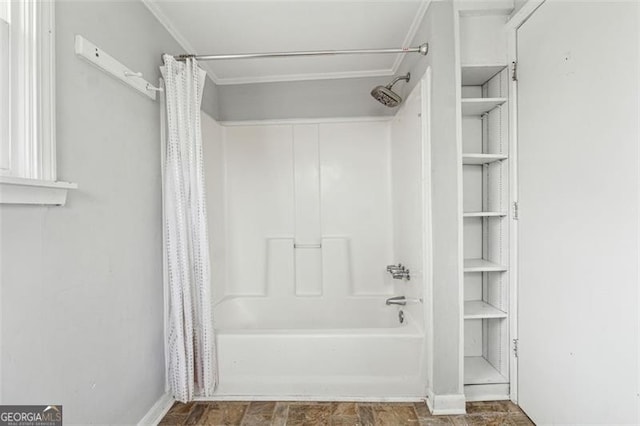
5, 100
27, 115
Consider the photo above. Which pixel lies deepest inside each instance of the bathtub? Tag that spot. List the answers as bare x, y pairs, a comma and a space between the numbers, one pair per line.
317, 348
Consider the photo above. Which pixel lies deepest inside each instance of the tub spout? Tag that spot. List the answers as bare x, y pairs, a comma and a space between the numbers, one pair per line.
397, 300
401, 300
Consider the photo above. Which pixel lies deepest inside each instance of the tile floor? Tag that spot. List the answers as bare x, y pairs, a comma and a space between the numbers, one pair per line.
338, 414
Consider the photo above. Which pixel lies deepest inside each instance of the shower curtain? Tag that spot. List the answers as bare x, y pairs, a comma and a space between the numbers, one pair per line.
189, 346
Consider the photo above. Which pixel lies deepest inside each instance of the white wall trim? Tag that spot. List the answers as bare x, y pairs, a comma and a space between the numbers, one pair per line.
516, 20
177, 36
427, 232
15, 190
458, 96
638, 266
485, 8
168, 25
184, 43
413, 29
441, 405
290, 121
157, 411
520, 16
513, 225
47, 78
31, 142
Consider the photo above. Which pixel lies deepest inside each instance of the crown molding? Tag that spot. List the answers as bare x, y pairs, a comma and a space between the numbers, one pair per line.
166, 22
177, 36
413, 29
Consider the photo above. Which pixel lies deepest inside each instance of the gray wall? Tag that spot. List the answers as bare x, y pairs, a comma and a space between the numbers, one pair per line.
346, 97
445, 205
438, 29
82, 284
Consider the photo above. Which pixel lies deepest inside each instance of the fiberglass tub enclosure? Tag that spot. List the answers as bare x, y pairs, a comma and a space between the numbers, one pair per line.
304, 219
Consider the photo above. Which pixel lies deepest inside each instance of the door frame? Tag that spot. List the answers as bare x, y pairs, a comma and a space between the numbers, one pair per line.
515, 21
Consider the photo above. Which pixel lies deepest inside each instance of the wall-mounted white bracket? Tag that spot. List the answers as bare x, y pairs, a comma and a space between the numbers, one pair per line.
104, 61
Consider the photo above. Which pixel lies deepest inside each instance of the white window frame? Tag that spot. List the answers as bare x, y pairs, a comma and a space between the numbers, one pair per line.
31, 176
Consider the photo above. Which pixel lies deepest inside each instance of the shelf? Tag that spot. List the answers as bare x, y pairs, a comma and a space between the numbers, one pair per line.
479, 159
482, 265
479, 106
477, 75
478, 371
477, 309
483, 214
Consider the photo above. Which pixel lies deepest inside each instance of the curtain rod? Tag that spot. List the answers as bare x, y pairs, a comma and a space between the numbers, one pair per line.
422, 49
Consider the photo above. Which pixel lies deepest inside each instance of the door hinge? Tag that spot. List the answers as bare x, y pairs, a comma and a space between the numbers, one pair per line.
514, 71
515, 210
515, 347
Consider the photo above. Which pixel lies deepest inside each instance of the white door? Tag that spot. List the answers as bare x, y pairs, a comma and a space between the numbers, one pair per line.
578, 189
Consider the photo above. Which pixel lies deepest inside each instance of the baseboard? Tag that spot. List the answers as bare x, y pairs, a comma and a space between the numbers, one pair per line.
157, 411
441, 405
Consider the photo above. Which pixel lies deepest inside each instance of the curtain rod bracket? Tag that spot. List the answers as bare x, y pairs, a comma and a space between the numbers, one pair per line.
184, 57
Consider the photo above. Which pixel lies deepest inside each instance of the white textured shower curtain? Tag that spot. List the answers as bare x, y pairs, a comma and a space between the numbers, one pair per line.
190, 351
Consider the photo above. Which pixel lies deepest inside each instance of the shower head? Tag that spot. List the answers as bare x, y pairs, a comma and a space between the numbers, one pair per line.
386, 96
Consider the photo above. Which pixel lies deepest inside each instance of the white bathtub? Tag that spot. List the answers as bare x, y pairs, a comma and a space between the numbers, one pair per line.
314, 348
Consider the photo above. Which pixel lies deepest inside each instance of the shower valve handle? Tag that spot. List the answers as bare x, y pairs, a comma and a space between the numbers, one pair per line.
395, 268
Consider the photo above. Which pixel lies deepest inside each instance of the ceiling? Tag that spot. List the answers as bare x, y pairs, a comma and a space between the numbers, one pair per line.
236, 26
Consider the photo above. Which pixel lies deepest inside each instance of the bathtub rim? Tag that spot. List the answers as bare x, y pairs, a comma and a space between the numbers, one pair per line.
381, 297
412, 328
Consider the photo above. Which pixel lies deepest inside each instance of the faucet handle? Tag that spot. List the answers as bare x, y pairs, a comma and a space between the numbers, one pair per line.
401, 274
394, 268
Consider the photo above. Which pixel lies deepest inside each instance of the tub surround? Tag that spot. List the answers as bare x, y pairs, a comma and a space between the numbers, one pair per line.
306, 208
305, 280
304, 217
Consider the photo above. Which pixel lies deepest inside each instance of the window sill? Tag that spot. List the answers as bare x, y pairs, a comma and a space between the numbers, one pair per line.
15, 190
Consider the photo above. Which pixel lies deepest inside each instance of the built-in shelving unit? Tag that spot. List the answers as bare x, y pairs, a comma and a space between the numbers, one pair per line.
484, 106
